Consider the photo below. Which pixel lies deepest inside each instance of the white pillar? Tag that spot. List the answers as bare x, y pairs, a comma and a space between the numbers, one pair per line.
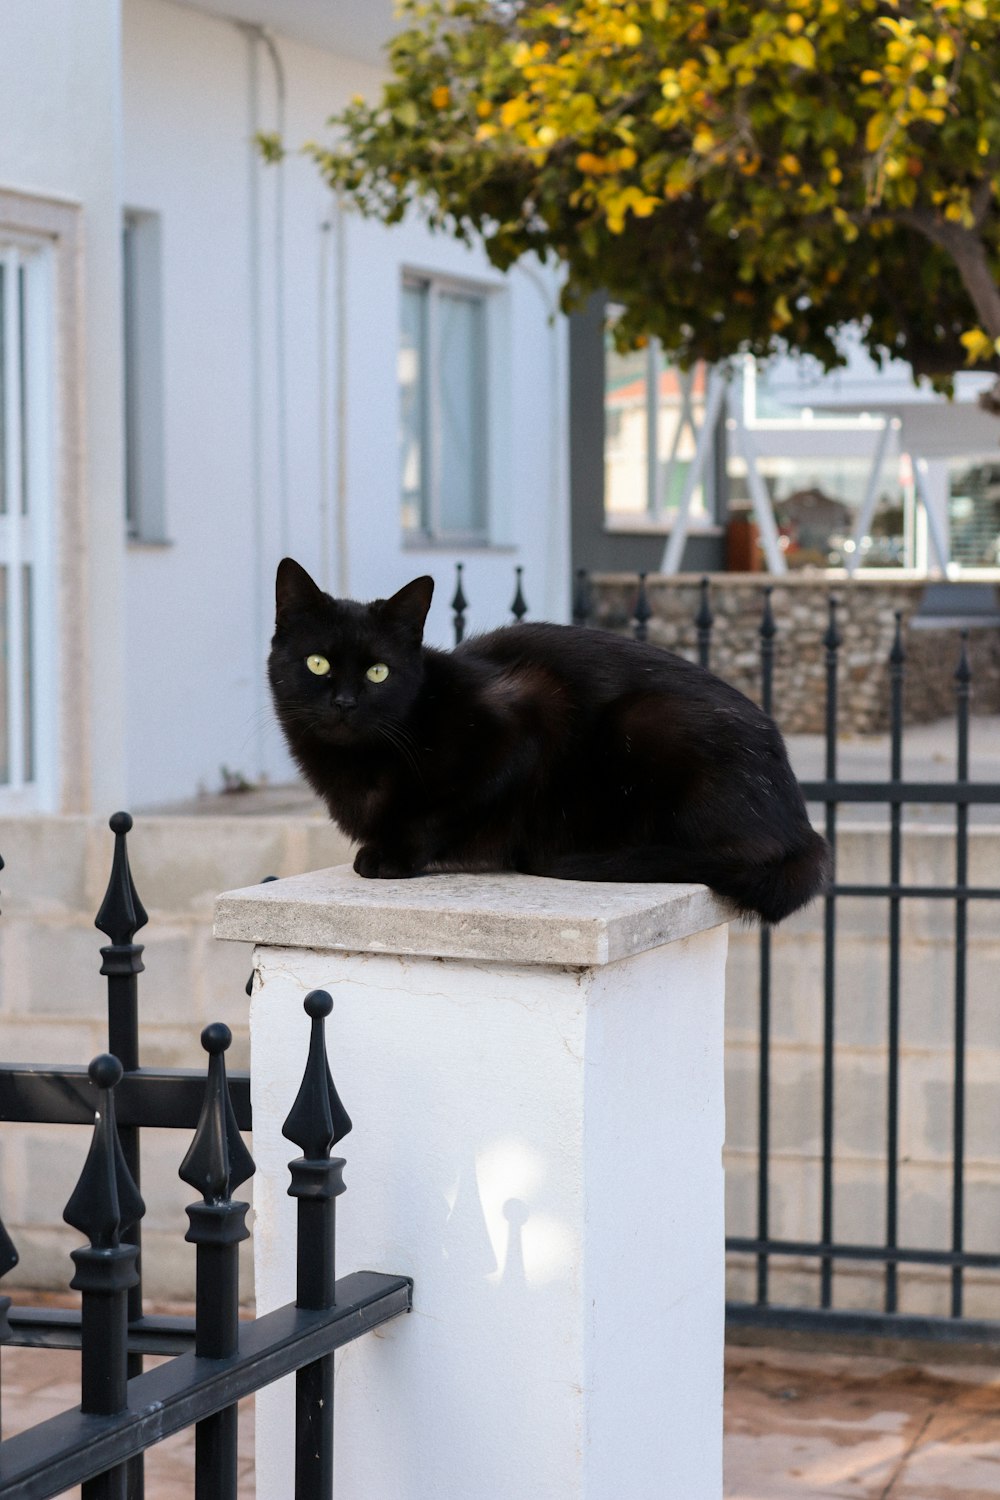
534, 1071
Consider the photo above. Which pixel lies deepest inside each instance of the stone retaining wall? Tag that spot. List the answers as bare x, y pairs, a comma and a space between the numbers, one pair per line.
867, 620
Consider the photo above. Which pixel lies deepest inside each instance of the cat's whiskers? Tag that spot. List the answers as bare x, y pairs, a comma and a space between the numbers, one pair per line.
401, 740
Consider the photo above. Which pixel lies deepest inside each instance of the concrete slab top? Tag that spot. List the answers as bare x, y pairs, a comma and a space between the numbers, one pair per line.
518, 919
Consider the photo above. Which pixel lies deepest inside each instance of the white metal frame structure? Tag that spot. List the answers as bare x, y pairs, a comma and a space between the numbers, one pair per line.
28, 693
722, 395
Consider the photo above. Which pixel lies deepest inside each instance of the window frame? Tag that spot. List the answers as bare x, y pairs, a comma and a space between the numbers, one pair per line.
430, 529
61, 604
27, 523
142, 377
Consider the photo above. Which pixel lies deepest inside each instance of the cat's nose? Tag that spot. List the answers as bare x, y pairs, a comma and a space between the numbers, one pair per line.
345, 703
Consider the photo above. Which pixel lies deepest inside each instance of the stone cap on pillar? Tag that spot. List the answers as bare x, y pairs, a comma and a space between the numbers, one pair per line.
516, 919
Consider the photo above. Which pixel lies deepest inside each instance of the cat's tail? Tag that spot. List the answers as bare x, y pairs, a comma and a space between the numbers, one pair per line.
768, 891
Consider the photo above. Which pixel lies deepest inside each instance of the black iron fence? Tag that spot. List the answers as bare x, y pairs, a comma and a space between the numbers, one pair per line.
885, 896
218, 1359
885, 893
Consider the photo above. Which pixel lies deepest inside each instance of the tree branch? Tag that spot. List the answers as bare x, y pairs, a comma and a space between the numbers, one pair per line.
969, 254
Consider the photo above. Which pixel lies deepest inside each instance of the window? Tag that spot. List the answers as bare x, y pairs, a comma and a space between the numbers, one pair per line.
443, 400
652, 412
143, 377
25, 516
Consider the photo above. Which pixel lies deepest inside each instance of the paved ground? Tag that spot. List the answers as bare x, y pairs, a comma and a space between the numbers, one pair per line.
849, 1427
798, 1427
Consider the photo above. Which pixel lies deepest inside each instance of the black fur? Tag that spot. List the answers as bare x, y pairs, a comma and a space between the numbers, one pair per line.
546, 749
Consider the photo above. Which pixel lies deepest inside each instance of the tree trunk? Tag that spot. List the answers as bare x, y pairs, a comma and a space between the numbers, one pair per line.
968, 251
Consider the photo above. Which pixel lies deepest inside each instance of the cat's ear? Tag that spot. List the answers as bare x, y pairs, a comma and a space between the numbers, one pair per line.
294, 589
409, 606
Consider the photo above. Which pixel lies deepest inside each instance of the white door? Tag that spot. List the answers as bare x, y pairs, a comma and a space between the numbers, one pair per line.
27, 624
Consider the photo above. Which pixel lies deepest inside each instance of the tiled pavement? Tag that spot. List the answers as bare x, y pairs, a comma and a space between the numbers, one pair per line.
798, 1427
849, 1427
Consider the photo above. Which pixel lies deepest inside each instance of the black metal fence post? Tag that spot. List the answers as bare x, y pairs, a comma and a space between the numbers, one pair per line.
217, 1163
963, 681
642, 613
315, 1123
768, 630
703, 622
104, 1202
897, 670
8, 1260
831, 642
519, 605
459, 605
582, 601
120, 917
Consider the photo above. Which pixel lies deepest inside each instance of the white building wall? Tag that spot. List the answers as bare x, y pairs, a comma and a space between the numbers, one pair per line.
60, 134
240, 492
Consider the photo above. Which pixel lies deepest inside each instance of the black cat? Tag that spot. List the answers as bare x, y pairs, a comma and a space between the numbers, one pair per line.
546, 749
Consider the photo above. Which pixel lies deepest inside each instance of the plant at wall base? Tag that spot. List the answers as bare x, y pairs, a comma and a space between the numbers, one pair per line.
738, 177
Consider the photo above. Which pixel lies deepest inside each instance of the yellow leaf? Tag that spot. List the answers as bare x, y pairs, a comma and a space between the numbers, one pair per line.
441, 96
876, 131
513, 111
484, 108
790, 164
869, 75
978, 345
794, 23
801, 52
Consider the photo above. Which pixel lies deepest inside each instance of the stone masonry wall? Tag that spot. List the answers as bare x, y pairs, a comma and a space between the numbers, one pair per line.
866, 619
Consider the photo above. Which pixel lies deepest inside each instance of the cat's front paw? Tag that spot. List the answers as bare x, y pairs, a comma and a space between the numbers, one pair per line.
374, 864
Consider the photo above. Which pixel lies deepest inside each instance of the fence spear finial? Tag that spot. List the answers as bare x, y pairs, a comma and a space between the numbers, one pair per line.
459, 605
217, 1161
519, 607
317, 1120
106, 1200
122, 913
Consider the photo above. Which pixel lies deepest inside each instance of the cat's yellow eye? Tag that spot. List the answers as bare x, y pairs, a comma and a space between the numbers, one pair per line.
378, 673
319, 665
